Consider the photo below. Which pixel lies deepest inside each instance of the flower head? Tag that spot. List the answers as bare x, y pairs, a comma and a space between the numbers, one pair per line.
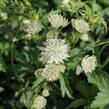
31, 27
89, 63
51, 72
57, 21
80, 25
3, 15
55, 51
39, 102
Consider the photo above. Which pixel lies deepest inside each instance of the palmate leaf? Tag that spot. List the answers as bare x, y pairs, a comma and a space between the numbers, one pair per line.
101, 100
101, 80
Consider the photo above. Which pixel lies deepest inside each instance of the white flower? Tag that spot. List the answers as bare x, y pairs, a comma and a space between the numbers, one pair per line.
55, 50
84, 37
89, 63
51, 72
57, 21
80, 25
31, 27
45, 93
39, 102
3, 15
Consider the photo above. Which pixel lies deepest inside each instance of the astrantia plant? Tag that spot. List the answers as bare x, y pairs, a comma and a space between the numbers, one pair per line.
53, 54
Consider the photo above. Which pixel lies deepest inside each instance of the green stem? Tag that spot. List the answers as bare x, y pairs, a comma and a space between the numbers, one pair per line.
103, 49
105, 63
102, 43
12, 63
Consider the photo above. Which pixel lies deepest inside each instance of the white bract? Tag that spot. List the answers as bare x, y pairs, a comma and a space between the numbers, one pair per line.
39, 102
65, 2
79, 70
31, 27
65, 22
80, 25
55, 50
89, 64
52, 72
57, 21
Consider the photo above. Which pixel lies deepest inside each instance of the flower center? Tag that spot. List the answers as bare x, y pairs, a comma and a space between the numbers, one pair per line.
55, 48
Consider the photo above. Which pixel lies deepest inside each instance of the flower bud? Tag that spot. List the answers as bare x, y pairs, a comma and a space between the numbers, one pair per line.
45, 93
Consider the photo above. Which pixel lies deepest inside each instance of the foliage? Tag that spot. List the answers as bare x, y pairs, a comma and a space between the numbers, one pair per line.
81, 26
100, 79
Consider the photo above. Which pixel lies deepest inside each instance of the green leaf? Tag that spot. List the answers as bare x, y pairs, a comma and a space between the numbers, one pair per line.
65, 87
101, 80
77, 103
75, 52
38, 81
101, 100
73, 63
83, 88
25, 97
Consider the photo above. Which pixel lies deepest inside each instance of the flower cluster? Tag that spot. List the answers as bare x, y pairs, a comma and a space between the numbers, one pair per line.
39, 102
55, 50
54, 53
88, 65
31, 27
58, 20
82, 27
52, 71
